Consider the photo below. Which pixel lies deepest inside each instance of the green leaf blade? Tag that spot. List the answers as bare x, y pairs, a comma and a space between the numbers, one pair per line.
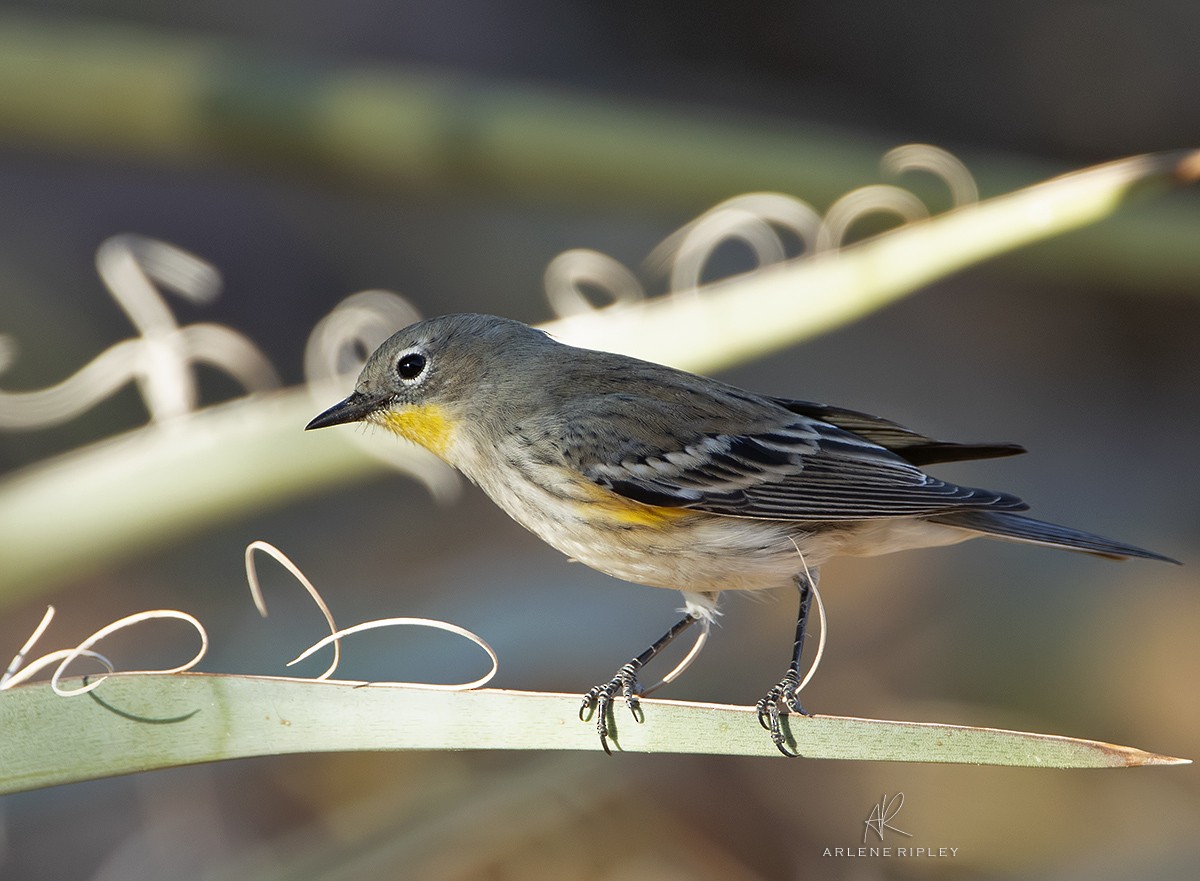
138, 723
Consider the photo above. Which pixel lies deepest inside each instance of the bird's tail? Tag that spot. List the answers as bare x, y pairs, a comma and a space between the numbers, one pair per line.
1004, 524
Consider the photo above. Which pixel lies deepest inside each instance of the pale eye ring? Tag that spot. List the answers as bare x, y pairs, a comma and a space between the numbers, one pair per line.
410, 366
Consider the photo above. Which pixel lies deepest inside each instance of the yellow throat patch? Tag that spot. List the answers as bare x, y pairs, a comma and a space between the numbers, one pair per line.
424, 424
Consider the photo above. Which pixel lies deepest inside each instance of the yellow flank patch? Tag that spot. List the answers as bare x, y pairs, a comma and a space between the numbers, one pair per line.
633, 513
637, 514
424, 424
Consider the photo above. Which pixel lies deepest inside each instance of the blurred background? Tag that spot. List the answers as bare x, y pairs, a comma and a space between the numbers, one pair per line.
526, 128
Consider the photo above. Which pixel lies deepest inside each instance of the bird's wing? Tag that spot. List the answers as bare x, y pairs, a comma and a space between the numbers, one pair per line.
918, 449
785, 467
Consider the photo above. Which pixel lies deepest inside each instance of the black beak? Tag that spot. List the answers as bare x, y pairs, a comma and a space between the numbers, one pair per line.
355, 408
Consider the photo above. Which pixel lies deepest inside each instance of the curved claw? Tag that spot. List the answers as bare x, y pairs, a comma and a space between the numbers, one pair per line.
763, 715
601, 698
589, 701
780, 700
788, 753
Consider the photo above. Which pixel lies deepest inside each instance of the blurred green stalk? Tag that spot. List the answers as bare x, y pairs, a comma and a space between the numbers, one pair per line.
95, 87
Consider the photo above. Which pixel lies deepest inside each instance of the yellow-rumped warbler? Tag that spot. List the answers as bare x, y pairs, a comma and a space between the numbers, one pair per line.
664, 478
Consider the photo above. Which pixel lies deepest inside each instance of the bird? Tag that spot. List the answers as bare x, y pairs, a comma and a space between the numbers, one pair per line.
665, 478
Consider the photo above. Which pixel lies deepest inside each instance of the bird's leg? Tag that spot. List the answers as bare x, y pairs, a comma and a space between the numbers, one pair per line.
782, 697
601, 696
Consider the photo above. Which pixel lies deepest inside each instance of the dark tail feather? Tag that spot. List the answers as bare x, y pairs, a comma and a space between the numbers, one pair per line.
1002, 524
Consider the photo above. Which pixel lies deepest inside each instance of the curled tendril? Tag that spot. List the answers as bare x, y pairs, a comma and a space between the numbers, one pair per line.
938, 162
769, 224
136, 271
824, 624
18, 671
693, 653
23, 674
756, 219
857, 204
335, 636
108, 630
256, 592
569, 275
431, 623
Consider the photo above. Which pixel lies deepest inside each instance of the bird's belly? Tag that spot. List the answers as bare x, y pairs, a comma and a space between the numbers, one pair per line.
702, 553
659, 547
870, 538
688, 550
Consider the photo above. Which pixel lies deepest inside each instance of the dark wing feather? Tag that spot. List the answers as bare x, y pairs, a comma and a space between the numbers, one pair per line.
1003, 524
792, 468
917, 449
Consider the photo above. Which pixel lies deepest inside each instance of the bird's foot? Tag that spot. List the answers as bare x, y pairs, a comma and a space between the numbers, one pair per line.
780, 700
601, 697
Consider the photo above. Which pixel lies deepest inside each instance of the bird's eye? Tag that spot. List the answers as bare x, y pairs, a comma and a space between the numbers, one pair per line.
410, 366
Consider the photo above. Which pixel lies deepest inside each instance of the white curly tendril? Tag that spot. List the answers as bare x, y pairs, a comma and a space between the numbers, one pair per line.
22, 669
572, 274
761, 221
938, 162
136, 270
776, 228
